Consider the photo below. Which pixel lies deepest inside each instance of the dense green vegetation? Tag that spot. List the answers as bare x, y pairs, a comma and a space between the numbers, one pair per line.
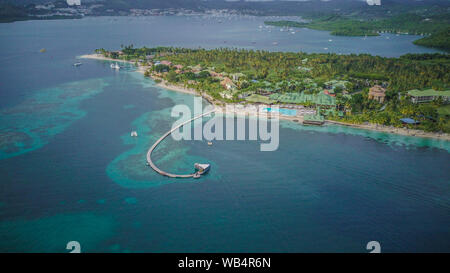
337, 26
11, 13
440, 39
436, 24
365, 110
266, 77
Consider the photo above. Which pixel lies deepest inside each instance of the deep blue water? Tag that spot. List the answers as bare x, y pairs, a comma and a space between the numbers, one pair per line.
70, 170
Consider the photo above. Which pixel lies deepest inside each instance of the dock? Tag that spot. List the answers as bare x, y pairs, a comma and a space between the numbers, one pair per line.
161, 172
313, 119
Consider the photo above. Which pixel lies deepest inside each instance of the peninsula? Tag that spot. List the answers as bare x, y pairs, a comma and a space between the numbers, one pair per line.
363, 91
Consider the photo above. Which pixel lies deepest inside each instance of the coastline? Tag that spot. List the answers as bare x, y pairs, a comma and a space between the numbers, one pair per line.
393, 130
101, 57
299, 119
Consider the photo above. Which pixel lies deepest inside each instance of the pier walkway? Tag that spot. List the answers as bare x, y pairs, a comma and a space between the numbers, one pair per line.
149, 153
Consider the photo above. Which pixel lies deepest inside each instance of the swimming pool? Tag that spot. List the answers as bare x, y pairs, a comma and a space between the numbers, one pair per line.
282, 111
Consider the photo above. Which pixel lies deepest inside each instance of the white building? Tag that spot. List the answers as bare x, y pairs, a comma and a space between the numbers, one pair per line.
74, 2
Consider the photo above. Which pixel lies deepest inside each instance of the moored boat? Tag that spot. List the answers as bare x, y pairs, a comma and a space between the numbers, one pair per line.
115, 66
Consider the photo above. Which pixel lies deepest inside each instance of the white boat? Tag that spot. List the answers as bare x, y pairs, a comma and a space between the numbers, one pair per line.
77, 64
330, 40
134, 134
115, 66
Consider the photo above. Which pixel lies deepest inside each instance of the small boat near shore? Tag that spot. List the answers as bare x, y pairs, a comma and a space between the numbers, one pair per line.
77, 64
115, 66
134, 134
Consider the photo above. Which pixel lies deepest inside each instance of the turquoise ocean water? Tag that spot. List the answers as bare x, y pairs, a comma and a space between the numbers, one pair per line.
70, 170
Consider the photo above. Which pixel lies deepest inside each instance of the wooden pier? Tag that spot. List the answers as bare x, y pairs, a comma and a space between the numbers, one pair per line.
149, 153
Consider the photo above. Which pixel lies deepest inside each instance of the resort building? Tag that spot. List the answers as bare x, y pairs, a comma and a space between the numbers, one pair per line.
178, 68
428, 95
166, 63
320, 99
214, 74
377, 93
227, 83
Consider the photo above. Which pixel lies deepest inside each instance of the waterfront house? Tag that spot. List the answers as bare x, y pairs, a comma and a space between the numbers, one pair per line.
377, 93
428, 95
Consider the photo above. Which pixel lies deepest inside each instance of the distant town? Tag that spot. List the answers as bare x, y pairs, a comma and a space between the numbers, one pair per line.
76, 9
